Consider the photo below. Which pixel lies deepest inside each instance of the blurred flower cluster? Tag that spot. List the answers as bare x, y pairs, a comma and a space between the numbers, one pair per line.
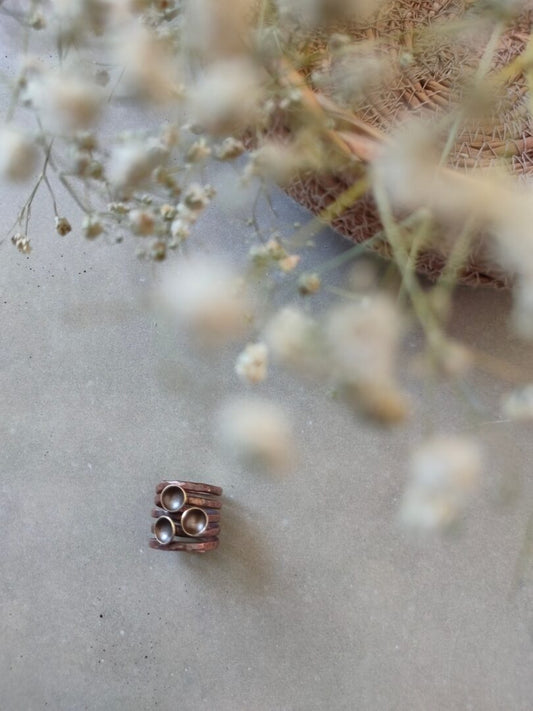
406, 124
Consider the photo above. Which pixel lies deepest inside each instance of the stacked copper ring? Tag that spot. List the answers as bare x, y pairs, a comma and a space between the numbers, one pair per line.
187, 516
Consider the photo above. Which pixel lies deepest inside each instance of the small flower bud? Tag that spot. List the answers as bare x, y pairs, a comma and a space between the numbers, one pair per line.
91, 226
21, 242
309, 283
63, 226
142, 222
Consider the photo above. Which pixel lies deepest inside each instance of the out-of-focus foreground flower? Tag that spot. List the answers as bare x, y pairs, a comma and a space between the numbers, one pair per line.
443, 474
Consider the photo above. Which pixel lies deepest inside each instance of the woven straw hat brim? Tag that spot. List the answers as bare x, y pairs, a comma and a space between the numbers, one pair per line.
433, 84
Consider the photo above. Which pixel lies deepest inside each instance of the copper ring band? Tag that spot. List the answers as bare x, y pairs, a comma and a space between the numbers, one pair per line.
187, 516
194, 522
214, 514
210, 532
187, 546
206, 502
192, 486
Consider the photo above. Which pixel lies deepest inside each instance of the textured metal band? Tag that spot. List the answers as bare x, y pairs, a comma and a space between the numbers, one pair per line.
190, 546
211, 532
192, 486
205, 502
214, 514
183, 498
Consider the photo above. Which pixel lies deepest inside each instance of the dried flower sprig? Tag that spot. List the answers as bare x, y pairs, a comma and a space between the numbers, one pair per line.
374, 114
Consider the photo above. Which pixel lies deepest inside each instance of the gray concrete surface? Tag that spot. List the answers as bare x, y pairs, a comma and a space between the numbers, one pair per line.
316, 598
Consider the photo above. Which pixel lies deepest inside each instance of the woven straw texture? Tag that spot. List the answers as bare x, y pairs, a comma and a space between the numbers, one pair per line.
431, 52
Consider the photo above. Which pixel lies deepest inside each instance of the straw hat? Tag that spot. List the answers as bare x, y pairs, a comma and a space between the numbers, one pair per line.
448, 70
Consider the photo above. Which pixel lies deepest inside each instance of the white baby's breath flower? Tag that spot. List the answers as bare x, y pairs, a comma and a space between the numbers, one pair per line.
118, 208
511, 228
252, 363
289, 263
512, 217
67, 99
215, 30
158, 250
518, 405
281, 160
170, 135
294, 339
79, 162
151, 71
452, 359
204, 296
362, 339
275, 161
226, 98
92, 226
21, 242
37, 21
85, 140
291, 100
133, 161
257, 433
275, 249
186, 214
357, 73
259, 255
229, 149
309, 283
142, 222
180, 229
167, 212
63, 226
79, 16
198, 151
18, 155
197, 197
408, 170
444, 472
